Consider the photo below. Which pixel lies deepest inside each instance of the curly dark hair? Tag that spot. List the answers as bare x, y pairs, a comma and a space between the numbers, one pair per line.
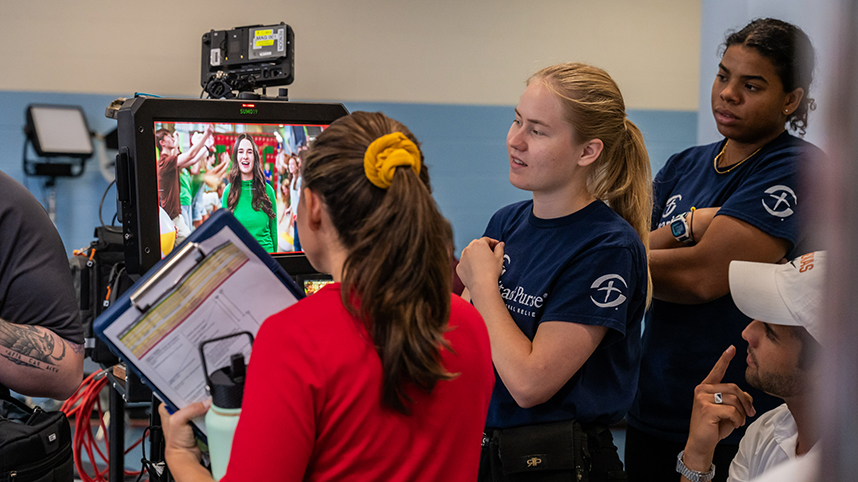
792, 54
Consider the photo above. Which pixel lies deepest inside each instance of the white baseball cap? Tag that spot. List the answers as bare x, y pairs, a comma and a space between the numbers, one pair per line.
782, 294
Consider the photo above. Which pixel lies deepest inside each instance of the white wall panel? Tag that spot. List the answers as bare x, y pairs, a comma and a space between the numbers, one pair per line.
438, 51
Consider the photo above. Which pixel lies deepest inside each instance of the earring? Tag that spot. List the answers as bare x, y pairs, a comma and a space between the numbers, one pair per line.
786, 111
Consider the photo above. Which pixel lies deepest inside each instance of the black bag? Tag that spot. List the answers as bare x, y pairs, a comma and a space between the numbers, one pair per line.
35, 446
559, 451
549, 452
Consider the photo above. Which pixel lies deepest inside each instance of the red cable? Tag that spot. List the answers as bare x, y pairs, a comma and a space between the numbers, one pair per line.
80, 406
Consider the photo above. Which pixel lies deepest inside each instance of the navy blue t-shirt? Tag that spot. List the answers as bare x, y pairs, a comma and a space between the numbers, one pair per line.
681, 343
588, 267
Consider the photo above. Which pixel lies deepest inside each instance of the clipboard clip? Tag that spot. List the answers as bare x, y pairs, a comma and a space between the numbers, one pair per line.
187, 250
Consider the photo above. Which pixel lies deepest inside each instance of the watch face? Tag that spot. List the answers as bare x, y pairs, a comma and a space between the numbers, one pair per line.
677, 228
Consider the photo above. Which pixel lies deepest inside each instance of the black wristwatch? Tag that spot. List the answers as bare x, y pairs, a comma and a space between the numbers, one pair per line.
681, 230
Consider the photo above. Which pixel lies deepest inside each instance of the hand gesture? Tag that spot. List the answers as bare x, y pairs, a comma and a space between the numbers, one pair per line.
719, 408
481, 263
214, 175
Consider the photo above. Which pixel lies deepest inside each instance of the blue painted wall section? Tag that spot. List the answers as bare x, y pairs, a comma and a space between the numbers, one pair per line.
464, 147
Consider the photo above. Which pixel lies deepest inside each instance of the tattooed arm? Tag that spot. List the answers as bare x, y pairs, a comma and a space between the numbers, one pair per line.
36, 361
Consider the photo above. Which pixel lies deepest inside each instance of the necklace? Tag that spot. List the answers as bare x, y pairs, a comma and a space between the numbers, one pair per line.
734, 166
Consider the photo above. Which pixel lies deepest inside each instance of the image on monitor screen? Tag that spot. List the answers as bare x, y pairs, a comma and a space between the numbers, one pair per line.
180, 160
251, 169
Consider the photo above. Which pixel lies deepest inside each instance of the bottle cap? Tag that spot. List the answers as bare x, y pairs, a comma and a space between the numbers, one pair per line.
226, 385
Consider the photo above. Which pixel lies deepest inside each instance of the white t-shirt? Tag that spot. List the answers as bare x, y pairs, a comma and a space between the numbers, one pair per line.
800, 469
768, 442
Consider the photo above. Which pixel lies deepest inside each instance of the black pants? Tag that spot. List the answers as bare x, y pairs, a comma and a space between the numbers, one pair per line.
605, 463
650, 458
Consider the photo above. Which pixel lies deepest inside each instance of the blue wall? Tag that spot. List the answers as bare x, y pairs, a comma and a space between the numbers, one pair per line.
464, 147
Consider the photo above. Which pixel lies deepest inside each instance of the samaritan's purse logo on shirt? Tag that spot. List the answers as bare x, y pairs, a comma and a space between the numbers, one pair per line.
784, 198
516, 299
606, 284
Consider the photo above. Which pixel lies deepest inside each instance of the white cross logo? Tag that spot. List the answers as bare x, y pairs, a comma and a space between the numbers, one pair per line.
599, 285
779, 193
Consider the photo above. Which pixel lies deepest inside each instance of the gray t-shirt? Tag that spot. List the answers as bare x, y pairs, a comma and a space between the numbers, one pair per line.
35, 280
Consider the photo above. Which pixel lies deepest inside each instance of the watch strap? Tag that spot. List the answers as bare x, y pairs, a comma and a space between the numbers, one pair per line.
693, 475
685, 236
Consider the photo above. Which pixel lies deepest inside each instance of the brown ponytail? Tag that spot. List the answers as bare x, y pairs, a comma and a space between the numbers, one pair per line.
621, 176
397, 276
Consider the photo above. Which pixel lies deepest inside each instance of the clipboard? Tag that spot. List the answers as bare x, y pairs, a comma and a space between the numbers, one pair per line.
218, 281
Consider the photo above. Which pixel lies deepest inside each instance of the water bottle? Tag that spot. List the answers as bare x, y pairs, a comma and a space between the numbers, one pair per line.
226, 387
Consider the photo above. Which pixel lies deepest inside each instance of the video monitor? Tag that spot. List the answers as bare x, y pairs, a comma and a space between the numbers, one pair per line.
300, 269
181, 160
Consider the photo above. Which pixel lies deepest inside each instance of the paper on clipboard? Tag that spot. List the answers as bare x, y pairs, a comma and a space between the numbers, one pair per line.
220, 289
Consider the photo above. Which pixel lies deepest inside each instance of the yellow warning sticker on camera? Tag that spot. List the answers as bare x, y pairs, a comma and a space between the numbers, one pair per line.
264, 38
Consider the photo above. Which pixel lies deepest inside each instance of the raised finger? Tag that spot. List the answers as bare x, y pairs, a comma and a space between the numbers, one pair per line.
720, 368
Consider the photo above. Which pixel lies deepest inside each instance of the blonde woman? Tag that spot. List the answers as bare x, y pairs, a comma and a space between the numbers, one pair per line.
561, 280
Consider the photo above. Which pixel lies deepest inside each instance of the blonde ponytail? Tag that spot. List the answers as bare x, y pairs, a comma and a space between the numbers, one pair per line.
621, 176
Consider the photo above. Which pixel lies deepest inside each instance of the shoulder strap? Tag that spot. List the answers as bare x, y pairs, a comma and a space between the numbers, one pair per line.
7, 396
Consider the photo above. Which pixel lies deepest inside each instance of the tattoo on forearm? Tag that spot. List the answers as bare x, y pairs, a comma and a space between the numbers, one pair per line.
26, 361
30, 346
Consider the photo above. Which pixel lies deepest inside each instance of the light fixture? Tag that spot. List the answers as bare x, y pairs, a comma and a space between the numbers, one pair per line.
57, 132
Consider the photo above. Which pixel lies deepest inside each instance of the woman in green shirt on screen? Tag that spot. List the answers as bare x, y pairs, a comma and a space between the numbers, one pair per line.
254, 210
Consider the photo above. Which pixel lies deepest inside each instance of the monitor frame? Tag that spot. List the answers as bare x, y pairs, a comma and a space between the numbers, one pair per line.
136, 163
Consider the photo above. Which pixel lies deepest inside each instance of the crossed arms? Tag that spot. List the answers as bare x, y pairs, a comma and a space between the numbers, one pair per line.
698, 274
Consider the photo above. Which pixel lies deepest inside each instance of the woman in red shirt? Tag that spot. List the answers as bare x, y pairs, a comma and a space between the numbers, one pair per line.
380, 375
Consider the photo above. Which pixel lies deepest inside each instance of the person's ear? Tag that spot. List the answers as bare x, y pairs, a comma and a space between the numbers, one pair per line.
793, 99
315, 208
592, 150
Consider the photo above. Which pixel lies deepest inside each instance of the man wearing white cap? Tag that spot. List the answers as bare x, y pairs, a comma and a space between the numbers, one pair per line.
785, 301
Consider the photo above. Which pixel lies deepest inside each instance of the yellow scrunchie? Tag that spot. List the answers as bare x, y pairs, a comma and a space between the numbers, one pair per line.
387, 153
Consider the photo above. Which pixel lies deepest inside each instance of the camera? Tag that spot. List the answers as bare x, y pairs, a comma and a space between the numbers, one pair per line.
246, 58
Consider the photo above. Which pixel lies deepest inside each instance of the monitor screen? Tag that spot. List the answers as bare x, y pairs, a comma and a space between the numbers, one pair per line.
251, 169
189, 158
